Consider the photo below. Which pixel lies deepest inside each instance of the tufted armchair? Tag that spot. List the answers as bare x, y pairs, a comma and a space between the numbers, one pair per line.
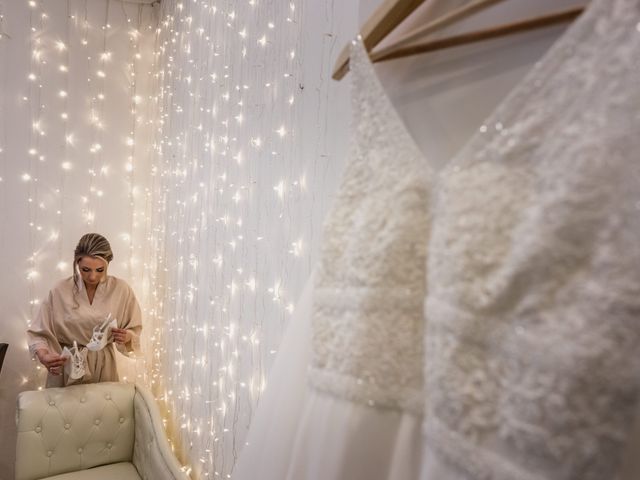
100, 431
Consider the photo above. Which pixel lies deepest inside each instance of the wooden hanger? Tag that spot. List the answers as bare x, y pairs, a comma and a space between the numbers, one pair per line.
400, 48
386, 17
494, 32
391, 14
443, 21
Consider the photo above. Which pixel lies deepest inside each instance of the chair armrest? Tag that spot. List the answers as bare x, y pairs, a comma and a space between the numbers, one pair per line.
152, 454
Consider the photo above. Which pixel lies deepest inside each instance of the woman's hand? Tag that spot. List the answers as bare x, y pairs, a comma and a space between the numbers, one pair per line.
52, 361
121, 335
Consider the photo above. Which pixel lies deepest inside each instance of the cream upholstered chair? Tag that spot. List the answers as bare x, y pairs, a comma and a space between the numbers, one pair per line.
100, 431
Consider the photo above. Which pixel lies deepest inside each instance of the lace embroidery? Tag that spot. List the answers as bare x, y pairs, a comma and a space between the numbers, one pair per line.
534, 288
367, 313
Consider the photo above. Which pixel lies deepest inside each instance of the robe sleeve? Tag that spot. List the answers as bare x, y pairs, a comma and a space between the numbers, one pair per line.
132, 321
41, 334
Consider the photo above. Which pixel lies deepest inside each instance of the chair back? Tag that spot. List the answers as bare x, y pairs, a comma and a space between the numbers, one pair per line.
73, 428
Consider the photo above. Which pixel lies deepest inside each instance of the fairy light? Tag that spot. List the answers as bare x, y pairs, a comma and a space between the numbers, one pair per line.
38, 60
279, 188
51, 166
210, 123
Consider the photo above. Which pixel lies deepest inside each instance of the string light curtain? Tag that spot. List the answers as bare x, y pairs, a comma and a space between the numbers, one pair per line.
204, 139
69, 99
229, 221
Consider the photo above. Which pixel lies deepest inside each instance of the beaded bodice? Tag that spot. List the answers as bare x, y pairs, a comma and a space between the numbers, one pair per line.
529, 242
369, 289
533, 307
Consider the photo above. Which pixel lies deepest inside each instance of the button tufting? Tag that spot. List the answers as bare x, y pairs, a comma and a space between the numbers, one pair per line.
82, 400
97, 422
80, 450
49, 453
109, 445
52, 403
38, 429
67, 426
121, 420
107, 396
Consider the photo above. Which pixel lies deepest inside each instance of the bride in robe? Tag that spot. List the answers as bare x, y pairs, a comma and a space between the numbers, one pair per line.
75, 307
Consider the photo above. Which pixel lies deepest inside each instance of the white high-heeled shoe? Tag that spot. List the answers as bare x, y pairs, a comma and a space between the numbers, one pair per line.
101, 334
76, 367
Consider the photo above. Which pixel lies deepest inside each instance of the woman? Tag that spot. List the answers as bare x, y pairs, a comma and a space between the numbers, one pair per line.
75, 311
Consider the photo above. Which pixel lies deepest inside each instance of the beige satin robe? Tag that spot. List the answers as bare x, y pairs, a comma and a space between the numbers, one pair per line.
65, 317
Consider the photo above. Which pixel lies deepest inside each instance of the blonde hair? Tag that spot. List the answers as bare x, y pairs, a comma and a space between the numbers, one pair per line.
90, 245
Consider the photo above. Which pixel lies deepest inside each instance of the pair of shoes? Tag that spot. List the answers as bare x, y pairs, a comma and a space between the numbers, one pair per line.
101, 334
77, 367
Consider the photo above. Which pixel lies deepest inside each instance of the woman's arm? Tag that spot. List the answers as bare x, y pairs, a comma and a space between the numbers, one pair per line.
127, 338
41, 339
52, 361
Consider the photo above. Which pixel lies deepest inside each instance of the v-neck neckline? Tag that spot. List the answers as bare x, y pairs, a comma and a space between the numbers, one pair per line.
519, 94
86, 292
90, 299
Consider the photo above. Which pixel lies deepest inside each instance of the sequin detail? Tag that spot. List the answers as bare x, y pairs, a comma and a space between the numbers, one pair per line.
368, 301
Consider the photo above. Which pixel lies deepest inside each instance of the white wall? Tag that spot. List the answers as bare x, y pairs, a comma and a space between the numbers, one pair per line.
47, 214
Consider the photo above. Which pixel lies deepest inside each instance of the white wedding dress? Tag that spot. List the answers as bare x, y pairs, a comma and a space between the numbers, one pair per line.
528, 240
344, 398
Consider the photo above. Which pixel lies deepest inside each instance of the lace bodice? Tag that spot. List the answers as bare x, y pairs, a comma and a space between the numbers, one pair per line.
369, 290
533, 308
530, 241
